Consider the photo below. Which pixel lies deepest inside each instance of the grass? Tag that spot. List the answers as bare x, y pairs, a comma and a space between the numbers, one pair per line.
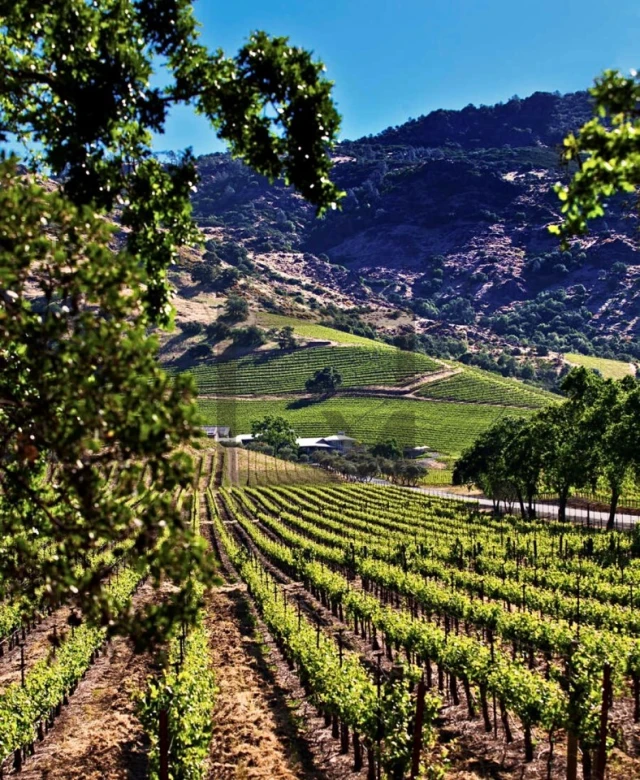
473, 385
274, 372
610, 369
447, 428
311, 330
438, 478
257, 468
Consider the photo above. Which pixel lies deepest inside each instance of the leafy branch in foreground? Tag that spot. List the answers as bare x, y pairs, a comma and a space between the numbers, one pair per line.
76, 80
80, 390
606, 150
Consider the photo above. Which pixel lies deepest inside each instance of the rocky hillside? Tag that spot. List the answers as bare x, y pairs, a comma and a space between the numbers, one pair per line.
442, 237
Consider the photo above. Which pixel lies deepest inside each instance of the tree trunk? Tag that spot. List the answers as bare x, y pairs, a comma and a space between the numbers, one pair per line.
505, 723
615, 497
485, 709
562, 505
523, 511
587, 764
357, 752
531, 511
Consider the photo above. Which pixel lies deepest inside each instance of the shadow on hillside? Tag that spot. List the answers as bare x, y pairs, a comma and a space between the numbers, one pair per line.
191, 291
173, 342
303, 403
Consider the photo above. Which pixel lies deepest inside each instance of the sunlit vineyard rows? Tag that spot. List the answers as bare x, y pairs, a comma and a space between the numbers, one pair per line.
476, 386
446, 427
520, 623
275, 372
311, 330
382, 602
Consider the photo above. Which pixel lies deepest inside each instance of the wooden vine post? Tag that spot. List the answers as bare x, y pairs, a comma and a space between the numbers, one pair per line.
601, 763
164, 744
572, 737
417, 733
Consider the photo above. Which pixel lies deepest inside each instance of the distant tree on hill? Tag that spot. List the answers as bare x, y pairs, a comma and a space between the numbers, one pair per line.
408, 473
251, 336
217, 331
324, 381
285, 337
204, 273
367, 469
236, 309
230, 252
274, 431
406, 341
590, 438
486, 465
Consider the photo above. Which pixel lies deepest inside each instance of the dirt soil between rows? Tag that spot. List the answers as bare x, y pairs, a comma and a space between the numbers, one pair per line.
254, 730
98, 736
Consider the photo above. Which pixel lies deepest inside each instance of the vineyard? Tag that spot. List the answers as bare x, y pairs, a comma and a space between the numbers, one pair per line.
446, 427
475, 386
264, 373
525, 630
311, 330
242, 467
409, 633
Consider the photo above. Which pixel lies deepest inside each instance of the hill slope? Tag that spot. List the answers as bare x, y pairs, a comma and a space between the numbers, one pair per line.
445, 219
386, 392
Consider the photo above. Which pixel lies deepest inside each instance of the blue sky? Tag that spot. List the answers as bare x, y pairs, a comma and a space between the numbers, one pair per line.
395, 60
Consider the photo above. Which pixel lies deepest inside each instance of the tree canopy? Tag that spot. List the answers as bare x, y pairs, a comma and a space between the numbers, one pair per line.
324, 381
90, 426
77, 83
274, 431
589, 438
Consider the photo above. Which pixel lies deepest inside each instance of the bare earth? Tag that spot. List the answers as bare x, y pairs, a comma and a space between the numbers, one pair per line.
250, 738
98, 735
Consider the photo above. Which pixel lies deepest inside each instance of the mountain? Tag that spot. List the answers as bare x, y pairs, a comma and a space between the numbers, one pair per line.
442, 238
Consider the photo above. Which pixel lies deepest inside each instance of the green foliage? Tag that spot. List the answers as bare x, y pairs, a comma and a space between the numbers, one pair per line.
186, 690
447, 428
81, 394
274, 431
324, 381
236, 309
104, 57
477, 386
610, 369
251, 336
590, 437
338, 681
286, 338
607, 152
274, 372
49, 681
389, 449
486, 463
312, 330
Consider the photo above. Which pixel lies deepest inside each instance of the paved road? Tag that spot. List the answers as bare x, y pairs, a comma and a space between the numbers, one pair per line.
623, 521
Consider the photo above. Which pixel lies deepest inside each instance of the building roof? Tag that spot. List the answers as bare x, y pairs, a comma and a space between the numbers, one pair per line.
212, 430
313, 442
319, 442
